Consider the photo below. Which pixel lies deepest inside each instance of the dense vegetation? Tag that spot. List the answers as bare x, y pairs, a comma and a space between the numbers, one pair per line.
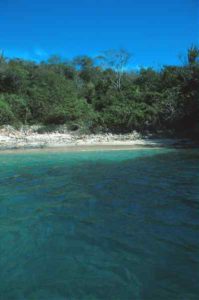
100, 95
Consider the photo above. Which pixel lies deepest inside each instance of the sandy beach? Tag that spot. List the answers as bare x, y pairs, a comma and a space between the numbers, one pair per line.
11, 139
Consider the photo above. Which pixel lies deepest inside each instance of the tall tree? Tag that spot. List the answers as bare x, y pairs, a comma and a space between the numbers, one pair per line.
193, 55
116, 60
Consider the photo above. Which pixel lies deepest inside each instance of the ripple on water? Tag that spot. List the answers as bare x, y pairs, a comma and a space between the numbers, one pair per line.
114, 225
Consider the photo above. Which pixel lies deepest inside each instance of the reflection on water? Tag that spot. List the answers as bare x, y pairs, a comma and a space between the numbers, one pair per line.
111, 226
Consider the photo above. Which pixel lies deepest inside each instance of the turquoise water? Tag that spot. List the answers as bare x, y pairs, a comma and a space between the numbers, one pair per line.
120, 225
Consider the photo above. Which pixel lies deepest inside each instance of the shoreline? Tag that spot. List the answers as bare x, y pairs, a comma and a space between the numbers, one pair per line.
55, 141
29, 138
77, 148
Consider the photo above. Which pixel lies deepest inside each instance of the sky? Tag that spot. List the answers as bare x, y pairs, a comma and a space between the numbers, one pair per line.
155, 32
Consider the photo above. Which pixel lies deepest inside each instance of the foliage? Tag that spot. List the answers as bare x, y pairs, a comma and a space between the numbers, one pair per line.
6, 114
100, 93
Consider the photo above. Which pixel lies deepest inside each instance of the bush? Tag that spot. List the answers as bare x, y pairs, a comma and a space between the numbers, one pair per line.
19, 107
70, 111
6, 114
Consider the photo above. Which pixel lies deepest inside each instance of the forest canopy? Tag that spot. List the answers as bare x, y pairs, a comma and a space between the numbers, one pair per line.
101, 94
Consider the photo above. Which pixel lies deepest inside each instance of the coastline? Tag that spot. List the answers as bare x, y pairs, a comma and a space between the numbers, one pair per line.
21, 140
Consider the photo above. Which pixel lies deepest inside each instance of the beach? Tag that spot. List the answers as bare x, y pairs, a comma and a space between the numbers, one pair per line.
29, 138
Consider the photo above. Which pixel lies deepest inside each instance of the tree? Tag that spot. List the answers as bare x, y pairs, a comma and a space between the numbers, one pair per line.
116, 60
6, 114
193, 55
108, 96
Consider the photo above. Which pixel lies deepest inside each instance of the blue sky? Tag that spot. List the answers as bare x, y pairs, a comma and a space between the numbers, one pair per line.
156, 32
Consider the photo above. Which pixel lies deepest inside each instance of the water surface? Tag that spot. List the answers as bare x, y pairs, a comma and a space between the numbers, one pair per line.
120, 225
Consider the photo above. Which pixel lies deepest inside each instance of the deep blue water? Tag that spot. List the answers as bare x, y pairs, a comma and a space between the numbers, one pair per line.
118, 225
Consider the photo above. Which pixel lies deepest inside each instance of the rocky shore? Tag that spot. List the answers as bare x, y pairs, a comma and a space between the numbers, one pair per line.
34, 137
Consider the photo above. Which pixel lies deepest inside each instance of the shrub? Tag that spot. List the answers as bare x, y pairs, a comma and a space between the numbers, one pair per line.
6, 114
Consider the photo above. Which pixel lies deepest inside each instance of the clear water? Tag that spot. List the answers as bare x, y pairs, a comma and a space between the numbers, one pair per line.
118, 225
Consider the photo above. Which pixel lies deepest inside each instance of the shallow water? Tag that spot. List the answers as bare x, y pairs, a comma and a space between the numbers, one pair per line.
118, 225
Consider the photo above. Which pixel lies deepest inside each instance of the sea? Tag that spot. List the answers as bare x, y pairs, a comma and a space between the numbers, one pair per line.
109, 225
